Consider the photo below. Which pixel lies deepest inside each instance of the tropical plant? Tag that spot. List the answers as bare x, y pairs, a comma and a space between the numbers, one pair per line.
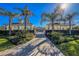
70, 17
11, 15
76, 28
49, 17
52, 16
26, 13
20, 23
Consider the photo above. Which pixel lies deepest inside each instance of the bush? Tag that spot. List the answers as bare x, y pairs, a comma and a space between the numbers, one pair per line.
70, 49
54, 37
57, 37
68, 38
28, 36
25, 36
14, 40
69, 45
77, 41
20, 37
56, 34
76, 36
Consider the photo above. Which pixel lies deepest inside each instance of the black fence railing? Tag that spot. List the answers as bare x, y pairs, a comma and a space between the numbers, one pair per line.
66, 32
13, 32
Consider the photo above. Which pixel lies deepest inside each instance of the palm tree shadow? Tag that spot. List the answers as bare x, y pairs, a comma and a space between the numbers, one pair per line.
46, 51
28, 49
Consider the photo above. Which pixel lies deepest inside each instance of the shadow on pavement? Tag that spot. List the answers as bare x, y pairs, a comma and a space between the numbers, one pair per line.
28, 49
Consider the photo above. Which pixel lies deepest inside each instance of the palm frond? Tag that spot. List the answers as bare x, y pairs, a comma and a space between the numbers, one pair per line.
2, 9
57, 8
2, 14
20, 9
71, 15
25, 7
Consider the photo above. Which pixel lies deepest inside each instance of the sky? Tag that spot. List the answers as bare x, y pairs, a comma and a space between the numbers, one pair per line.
37, 9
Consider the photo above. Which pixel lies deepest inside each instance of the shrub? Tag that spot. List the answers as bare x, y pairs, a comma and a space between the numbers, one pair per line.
56, 34
68, 38
14, 40
25, 36
76, 36
69, 48
57, 37
69, 45
28, 36
77, 41
20, 37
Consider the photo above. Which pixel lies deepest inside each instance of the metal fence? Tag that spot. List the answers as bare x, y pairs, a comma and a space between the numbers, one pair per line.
13, 32
73, 32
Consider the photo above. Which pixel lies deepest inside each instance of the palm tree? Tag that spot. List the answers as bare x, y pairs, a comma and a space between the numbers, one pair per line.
25, 12
11, 15
70, 17
50, 17
20, 23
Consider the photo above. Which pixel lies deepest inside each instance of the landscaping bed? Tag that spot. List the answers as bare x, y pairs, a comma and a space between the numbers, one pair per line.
8, 42
68, 44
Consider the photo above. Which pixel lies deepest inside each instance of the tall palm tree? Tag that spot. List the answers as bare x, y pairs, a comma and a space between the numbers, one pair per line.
70, 17
20, 23
25, 12
11, 15
52, 16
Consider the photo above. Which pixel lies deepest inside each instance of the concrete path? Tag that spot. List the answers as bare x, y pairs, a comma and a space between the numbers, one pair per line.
39, 46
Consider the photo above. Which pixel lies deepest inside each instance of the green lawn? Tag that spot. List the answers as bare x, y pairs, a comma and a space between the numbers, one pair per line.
70, 48
5, 44
77, 41
69, 45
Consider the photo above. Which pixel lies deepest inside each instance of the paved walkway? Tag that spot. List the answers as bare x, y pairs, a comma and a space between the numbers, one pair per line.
39, 46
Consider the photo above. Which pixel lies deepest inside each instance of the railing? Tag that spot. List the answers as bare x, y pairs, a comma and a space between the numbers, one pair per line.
73, 32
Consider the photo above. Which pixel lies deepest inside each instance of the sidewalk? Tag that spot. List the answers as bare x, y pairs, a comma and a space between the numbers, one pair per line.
39, 46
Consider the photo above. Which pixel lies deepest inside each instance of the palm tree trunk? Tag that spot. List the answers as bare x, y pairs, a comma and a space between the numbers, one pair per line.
49, 26
25, 23
60, 21
10, 22
64, 23
52, 25
60, 24
70, 27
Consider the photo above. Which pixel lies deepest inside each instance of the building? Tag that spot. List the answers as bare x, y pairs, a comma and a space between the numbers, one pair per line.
14, 26
19, 26
57, 26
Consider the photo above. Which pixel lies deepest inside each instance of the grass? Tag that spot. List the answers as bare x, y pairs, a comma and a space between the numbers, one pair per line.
5, 44
70, 48
69, 45
77, 41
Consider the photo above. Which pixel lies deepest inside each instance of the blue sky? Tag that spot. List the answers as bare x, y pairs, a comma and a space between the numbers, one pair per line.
37, 9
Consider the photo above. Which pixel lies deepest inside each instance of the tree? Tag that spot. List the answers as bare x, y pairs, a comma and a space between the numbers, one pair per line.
25, 12
11, 15
20, 23
51, 16
70, 17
